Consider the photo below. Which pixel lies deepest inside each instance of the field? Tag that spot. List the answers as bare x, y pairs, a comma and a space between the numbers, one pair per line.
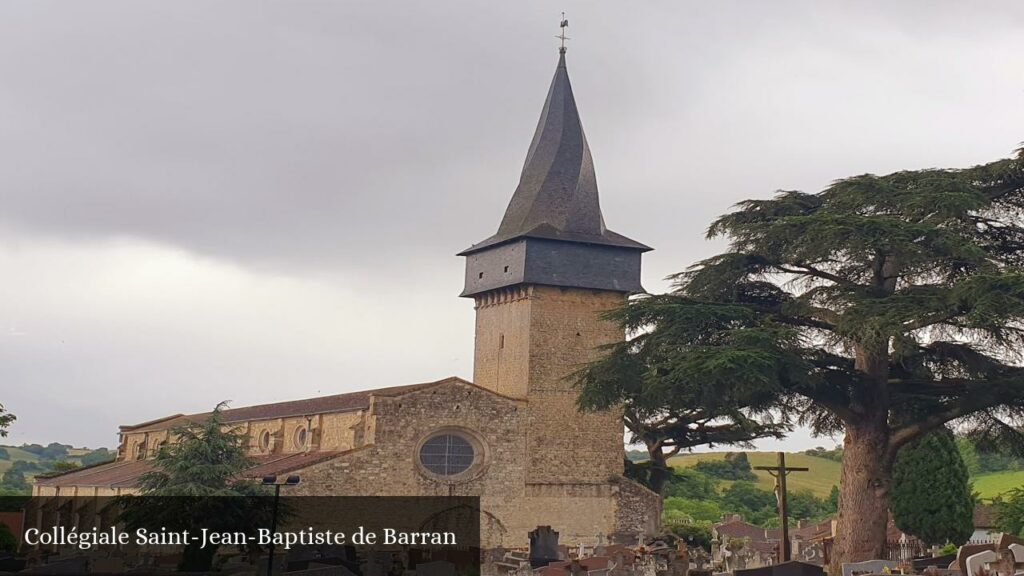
995, 483
74, 455
824, 473
822, 476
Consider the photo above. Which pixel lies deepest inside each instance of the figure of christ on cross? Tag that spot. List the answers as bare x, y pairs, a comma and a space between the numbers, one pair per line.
779, 472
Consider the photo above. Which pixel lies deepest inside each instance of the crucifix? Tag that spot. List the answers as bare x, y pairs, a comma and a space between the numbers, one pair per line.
779, 472
563, 24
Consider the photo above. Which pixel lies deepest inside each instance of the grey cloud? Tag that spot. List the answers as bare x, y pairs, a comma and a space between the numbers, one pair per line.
361, 144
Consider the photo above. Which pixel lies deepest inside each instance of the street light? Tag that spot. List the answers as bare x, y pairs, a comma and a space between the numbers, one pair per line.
271, 480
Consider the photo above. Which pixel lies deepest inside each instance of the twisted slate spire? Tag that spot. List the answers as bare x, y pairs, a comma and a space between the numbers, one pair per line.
557, 193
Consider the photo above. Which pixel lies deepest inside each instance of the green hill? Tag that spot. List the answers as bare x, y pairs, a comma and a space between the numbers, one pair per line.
16, 454
19, 454
822, 476
995, 483
825, 473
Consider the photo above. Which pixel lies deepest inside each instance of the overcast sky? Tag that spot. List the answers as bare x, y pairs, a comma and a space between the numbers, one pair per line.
261, 201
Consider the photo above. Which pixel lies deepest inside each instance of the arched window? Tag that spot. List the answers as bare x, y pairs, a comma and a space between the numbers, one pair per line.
447, 454
264, 441
140, 450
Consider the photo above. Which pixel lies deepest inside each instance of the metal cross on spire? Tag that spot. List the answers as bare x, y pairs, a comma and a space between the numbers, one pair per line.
563, 24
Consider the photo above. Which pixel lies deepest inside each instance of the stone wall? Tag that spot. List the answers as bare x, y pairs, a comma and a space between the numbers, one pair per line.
529, 340
501, 360
638, 510
581, 512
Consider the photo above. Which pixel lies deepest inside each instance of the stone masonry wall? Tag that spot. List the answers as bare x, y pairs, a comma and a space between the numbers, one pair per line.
501, 360
581, 512
566, 332
638, 509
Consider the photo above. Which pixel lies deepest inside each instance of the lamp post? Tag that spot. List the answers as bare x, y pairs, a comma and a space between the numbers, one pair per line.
271, 480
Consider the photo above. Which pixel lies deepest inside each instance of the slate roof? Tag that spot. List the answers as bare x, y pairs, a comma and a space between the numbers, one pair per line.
557, 194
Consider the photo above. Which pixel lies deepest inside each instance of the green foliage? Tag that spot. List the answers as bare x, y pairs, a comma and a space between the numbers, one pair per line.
876, 297
747, 496
833, 499
1010, 512
695, 534
196, 485
6, 419
692, 484
697, 510
8, 542
14, 479
693, 496
835, 454
98, 456
803, 504
64, 466
637, 455
26, 466
969, 455
733, 467
931, 492
52, 451
4, 454
982, 459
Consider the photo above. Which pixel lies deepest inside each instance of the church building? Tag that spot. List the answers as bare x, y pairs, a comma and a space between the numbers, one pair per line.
513, 436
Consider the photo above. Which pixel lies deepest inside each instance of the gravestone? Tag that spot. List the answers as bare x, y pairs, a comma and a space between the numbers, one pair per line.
791, 568
968, 550
976, 562
937, 561
868, 567
1006, 539
437, 568
1018, 552
543, 546
813, 553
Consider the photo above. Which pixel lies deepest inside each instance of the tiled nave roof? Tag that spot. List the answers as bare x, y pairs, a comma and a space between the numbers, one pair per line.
125, 474
335, 403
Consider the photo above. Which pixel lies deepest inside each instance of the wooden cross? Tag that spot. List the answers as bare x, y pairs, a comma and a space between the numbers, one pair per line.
779, 472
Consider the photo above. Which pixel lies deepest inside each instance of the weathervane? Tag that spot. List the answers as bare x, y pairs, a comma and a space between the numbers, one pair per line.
563, 25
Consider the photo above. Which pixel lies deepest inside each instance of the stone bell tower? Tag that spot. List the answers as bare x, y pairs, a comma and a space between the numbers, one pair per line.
540, 285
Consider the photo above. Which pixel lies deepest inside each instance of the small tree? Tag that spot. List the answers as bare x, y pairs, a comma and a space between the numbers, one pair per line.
65, 466
1010, 512
14, 479
833, 499
197, 484
98, 456
931, 496
8, 542
6, 419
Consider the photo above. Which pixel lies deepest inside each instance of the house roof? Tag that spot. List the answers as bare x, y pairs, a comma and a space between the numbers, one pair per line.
741, 529
984, 516
814, 531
